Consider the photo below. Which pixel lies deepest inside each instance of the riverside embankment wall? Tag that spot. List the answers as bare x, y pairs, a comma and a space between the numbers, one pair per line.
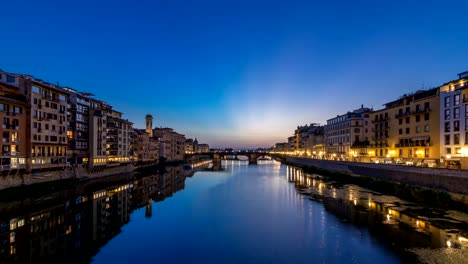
14, 179
455, 181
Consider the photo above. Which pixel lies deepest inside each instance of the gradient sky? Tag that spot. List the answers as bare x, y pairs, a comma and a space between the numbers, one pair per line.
237, 73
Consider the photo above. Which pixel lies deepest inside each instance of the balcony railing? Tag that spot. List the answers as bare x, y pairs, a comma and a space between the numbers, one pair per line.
420, 111
403, 114
413, 144
385, 118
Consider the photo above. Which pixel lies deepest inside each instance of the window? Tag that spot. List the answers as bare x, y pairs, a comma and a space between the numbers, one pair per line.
447, 127
426, 128
4, 107
456, 125
418, 118
10, 79
17, 110
457, 150
400, 121
36, 89
400, 131
426, 106
456, 99
417, 108
407, 120
466, 138
418, 129
407, 130
448, 151
426, 116
456, 139
456, 112
447, 101
447, 140
447, 114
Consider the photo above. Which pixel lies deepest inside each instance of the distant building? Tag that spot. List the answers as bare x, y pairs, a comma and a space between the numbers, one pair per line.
146, 147
172, 144
280, 147
344, 130
203, 148
189, 148
309, 140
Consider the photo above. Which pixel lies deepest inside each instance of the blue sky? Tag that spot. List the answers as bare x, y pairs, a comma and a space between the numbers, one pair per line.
237, 73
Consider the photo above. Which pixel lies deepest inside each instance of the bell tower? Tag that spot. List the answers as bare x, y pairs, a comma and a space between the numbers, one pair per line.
149, 125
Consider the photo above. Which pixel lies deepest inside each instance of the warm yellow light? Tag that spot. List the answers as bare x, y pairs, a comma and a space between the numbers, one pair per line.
355, 202
449, 244
464, 151
448, 156
391, 153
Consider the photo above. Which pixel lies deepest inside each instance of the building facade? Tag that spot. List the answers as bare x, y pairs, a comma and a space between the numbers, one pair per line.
344, 131
454, 122
407, 130
48, 119
14, 130
172, 144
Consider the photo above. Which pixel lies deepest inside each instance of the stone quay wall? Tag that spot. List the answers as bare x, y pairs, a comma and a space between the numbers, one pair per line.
454, 181
18, 179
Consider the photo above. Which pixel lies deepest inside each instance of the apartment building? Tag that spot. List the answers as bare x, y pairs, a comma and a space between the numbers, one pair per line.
309, 140
118, 140
78, 126
14, 129
172, 144
189, 146
344, 131
407, 130
203, 148
146, 147
454, 122
48, 119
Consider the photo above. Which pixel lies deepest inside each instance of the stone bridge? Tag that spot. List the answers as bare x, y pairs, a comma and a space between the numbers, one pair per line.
218, 156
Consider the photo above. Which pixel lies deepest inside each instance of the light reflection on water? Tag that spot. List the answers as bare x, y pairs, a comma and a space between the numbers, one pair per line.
364, 207
265, 213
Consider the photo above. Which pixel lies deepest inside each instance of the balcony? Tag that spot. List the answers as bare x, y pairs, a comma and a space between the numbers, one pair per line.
381, 128
377, 120
403, 114
413, 144
420, 111
360, 144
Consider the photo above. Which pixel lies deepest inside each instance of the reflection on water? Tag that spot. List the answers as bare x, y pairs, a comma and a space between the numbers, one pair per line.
265, 213
71, 225
404, 225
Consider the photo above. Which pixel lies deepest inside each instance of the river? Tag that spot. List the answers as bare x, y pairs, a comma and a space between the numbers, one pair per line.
265, 213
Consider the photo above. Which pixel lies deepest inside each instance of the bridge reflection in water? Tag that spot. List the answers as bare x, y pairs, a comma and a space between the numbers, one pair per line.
399, 223
71, 225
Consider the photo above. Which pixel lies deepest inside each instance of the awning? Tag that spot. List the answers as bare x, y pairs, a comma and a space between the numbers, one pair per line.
421, 138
